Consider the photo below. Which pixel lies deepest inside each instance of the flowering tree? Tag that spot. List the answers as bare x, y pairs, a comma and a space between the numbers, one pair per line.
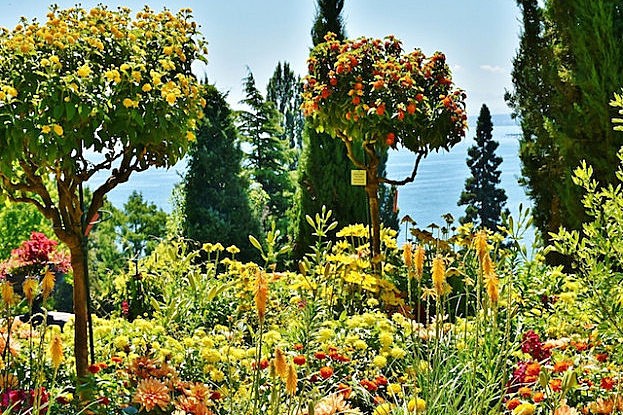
370, 94
91, 91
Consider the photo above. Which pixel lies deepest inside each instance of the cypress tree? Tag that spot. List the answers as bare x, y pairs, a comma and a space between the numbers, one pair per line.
324, 167
485, 201
284, 89
269, 157
216, 203
567, 68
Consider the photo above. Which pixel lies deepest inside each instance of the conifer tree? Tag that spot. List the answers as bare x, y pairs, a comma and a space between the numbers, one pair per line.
269, 156
567, 68
216, 203
324, 167
485, 201
284, 89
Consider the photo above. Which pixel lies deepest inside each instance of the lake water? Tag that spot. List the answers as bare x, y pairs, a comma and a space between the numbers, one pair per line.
435, 191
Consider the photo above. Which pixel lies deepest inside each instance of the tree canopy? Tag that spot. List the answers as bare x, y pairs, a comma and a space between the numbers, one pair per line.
92, 90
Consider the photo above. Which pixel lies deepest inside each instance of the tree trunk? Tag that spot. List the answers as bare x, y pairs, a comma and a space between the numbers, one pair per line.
81, 336
372, 189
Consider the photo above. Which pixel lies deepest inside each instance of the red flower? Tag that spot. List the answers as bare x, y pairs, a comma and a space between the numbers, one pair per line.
390, 139
369, 385
538, 397
607, 383
556, 385
298, 346
299, 360
326, 372
320, 355
94, 368
601, 357
381, 380
512, 404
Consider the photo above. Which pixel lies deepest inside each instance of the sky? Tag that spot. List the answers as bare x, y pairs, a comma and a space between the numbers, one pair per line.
479, 37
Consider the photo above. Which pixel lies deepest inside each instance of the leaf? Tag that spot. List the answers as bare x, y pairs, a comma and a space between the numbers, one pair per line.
70, 109
255, 243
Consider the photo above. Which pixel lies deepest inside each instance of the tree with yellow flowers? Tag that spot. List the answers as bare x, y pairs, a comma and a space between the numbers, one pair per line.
370, 94
89, 91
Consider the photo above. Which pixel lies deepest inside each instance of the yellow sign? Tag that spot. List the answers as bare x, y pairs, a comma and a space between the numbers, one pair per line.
358, 177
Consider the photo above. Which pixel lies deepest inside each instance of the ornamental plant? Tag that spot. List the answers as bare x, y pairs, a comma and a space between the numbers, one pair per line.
371, 95
90, 91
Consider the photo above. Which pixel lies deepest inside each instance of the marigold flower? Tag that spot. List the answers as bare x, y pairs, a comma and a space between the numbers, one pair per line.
151, 393
538, 397
299, 360
439, 275
512, 404
291, 380
56, 351
326, 372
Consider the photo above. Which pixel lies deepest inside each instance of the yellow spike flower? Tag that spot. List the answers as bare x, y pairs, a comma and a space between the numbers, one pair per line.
407, 255
29, 287
56, 351
439, 275
261, 294
491, 280
281, 366
420, 254
8, 295
480, 243
47, 284
291, 380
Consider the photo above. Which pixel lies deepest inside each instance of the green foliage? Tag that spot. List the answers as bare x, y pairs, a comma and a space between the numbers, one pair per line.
269, 157
565, 72
17, 222
597, 250
284, 89
216, 204
485, 201
328, 19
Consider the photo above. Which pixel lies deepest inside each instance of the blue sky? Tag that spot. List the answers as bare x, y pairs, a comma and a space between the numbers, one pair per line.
479, 37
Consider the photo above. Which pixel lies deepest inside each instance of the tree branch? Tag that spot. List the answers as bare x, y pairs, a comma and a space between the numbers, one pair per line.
408, 179
350, 152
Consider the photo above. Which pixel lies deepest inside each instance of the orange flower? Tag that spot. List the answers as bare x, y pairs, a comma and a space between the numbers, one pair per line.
291, 380
562, 366
299, 360
491, 280
8, 295
480, 243
439, 275
607, 383
512, 404
261, 294
30, 289
525, 392
47, 284
326, 372
151, 393
420, 254
407, 255
281, 366
556, 385
56, 351
538, 397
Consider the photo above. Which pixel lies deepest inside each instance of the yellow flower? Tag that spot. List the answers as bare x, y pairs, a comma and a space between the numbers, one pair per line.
151, 393
84, 71
56, 351
439, 275
385, 339
383, 409
190, 136
168, 50
233, 249
124, 67
58, 130
491, 280
29, 287
136, 75
113, 75
394, 389
45, 62
47, 284
480, 243
46, 129
524, 409
261, 294
146, 87
8, 295
155, 78
281, 366
379, 361
417, 405
128, 103
419, 257
171, 98
407, 255
55, 60
291, 379
12, 92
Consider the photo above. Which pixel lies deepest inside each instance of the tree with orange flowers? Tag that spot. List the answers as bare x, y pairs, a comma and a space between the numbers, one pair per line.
369, 93
87, 92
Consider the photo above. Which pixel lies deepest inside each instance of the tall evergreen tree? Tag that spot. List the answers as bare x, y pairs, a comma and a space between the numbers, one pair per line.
567, 68
269, 157
284, 89
324, 167
216, 204
485, 201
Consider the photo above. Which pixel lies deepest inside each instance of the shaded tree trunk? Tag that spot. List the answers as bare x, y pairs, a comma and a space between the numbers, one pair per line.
81, 336
372, 190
